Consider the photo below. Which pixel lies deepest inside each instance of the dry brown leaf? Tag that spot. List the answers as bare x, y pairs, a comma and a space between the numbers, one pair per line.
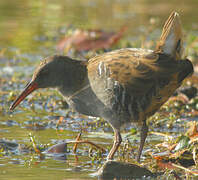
83, 40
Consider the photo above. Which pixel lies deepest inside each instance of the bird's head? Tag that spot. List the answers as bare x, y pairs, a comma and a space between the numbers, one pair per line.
52, 72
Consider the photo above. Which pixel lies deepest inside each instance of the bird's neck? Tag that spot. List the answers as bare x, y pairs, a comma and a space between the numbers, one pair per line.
74, 78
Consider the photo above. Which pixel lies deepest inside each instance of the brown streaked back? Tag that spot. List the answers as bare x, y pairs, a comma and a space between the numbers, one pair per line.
137, 69
134, 83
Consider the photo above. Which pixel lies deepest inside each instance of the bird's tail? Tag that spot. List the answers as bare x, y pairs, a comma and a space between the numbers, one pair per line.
171, 42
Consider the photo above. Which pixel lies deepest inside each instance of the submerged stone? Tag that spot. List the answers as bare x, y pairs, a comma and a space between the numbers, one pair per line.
115, 169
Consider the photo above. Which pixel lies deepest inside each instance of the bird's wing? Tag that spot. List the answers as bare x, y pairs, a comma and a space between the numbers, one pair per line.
137, 70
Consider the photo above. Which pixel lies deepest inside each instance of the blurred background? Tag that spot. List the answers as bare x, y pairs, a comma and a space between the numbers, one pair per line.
24, 22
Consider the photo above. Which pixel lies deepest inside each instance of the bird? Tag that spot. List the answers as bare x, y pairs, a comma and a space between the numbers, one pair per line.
122, 86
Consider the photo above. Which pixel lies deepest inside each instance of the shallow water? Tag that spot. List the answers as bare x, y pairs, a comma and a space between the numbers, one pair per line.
29, 31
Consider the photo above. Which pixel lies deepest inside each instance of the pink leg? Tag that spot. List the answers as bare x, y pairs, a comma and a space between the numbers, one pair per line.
144, 131
116, 144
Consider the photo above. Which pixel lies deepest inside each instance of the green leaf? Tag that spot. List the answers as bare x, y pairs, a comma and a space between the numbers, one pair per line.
183, 143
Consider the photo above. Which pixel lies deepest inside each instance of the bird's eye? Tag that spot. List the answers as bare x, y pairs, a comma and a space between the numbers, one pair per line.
43, 72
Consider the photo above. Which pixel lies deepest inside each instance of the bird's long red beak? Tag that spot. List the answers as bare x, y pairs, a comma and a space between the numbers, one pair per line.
29, 89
